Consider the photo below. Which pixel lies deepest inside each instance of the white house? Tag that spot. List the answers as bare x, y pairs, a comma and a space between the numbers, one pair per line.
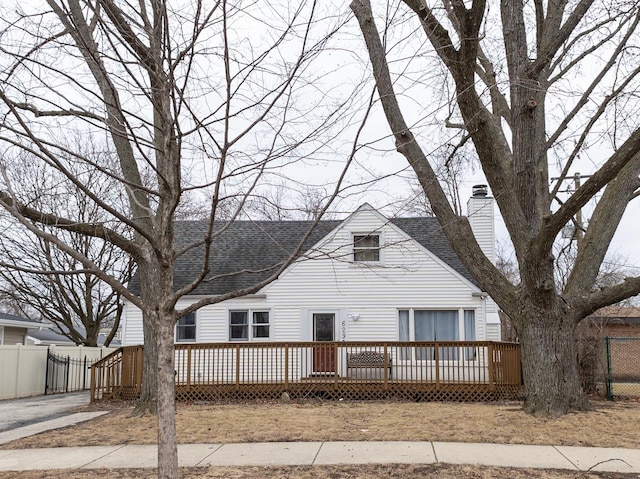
366, 278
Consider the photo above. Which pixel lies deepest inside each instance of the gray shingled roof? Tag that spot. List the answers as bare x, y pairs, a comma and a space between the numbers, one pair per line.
259, 247
50, 336
13, 317
428, 232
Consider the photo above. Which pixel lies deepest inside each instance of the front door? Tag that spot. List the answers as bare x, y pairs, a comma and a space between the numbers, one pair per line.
324, 356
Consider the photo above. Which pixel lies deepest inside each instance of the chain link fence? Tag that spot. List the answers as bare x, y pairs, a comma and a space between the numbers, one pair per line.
623, 367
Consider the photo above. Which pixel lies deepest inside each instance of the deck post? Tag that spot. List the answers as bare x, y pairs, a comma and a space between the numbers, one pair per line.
437, 361
188, 367
335, 364
492, 376
139, 369
286, 366
386, 368
237, 367
108, 385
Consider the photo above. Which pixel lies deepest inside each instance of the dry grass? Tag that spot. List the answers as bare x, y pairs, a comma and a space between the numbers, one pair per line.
607, 425
393, 471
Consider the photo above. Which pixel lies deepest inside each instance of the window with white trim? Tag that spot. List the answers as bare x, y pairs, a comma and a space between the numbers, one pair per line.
186, 329
435, 325
366, 247
248, 325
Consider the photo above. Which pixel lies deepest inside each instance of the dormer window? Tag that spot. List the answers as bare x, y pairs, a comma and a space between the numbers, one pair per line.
366, 247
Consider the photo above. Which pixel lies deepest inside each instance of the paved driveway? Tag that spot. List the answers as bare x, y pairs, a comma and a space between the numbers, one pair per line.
16, 413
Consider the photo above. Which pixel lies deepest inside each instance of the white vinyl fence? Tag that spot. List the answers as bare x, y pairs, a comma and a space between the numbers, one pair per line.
23, 368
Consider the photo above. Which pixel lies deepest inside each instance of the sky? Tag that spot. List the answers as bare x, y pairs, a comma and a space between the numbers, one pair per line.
345, 65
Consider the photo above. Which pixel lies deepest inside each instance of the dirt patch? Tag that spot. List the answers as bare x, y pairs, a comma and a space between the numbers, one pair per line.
607, 425
400, 471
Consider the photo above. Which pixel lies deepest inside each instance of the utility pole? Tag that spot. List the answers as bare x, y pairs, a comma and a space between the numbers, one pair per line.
579, 228
578, 233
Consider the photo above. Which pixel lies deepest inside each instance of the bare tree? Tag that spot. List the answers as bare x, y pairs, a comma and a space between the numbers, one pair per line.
198, 98
283, 201
451, 162
532, 84
40, 279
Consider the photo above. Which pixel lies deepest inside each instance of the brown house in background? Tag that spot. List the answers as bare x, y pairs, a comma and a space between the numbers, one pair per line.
618, 358
618, 321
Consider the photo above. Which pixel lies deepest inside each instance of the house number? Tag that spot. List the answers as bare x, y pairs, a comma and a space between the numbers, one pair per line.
344, 330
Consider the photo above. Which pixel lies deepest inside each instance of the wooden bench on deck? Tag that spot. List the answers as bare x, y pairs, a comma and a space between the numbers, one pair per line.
371, 363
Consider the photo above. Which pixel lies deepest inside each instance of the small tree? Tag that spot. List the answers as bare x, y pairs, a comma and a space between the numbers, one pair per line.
202, 99
531, 84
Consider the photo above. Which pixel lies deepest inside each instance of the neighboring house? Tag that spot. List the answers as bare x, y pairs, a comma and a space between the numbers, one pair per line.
367, 277
14, 329
617, 321
616, 359
48, 337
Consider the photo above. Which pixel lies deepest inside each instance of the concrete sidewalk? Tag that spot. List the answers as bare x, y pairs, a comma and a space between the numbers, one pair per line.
324, 453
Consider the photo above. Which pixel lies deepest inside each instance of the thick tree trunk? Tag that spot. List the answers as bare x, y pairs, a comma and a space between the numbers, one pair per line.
151, 294
147, 402
156, 291
550, 365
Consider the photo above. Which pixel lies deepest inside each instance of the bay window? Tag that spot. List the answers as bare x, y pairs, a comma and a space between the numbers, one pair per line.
435, 325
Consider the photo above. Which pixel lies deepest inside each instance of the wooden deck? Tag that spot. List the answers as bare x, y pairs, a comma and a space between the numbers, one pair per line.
455, 370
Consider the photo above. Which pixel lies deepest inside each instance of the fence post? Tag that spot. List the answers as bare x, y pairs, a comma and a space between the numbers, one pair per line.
16, 389
609, 375
84, 373
66, 388
46, 373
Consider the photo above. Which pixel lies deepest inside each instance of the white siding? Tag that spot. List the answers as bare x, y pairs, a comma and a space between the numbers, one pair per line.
132, 326
493, 332
480, 212
407, 276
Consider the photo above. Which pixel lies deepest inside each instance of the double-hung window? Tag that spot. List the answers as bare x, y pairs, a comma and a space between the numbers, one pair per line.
366, 248
248, 325
186, 329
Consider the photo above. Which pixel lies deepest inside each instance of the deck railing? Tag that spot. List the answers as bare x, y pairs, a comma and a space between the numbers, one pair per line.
460, 370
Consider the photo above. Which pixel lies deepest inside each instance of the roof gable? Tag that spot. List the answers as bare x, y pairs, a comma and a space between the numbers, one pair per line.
246, 252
